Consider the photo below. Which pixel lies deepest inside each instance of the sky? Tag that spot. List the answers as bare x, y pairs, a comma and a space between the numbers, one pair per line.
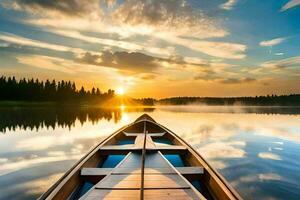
156, 48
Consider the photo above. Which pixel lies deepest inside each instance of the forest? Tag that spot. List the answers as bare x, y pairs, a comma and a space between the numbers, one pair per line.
58, 91
268, 100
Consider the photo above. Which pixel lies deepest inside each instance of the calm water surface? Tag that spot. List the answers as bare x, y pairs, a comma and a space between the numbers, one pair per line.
256, 149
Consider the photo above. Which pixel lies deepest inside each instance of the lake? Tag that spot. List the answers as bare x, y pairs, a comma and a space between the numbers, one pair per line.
257, 149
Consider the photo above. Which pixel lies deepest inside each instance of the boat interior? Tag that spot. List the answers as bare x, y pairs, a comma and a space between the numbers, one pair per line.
143, 160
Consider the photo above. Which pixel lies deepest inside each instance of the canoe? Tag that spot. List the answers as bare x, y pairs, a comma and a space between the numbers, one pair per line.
143, 160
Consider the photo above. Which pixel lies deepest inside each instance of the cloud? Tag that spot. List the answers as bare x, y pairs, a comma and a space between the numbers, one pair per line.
267, 155
289, 66
273, 42
3, 160
135, 62
115, 43
15, 39
253, 178
148, 76
207, 74
290, 4
171, 16
65, 7
222, 150
175, 22
282, 64
3, 45
132, 61
25, 163
269, 177
279, 54
62, 65
229, 4
217, 49
236, 81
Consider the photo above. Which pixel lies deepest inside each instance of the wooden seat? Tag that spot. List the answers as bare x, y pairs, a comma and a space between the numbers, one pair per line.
152, 170
125, 149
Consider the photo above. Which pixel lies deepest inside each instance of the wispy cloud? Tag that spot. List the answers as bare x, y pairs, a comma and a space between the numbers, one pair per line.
290, 4
22, 41
131, 46
63, 65
288, 66
267, 155
270, 177
229, 4
273, 42
279, 54
283, 63
237, 80
55, 7
217, 49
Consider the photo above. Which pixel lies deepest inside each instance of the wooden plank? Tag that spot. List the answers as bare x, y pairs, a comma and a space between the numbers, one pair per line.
95, 171
131, 147
142, 181
139, 141
190, 170
159, 170
149, 142
133, 181
149, 194
171, 194
160, 134
113, 195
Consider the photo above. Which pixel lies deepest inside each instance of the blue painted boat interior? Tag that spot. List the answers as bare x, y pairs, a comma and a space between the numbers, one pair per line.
161, 140
86, 186
111, 161
124, 142
175, 160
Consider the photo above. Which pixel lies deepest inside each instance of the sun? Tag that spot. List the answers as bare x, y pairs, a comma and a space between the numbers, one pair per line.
120, 91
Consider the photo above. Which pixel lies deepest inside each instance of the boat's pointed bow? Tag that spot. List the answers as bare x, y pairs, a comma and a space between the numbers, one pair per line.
144, 117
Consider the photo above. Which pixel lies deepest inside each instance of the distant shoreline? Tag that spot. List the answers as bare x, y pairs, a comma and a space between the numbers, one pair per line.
88, 104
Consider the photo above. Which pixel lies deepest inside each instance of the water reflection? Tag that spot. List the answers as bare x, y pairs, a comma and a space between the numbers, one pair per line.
257, 153
52, 117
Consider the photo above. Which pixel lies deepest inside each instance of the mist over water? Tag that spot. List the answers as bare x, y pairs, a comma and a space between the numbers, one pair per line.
257, 149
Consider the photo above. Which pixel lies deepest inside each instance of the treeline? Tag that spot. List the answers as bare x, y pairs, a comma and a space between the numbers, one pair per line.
269, 100
36, 90
145, 101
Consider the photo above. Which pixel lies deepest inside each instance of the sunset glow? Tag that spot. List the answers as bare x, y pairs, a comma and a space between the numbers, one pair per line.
157, 48
120, 91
